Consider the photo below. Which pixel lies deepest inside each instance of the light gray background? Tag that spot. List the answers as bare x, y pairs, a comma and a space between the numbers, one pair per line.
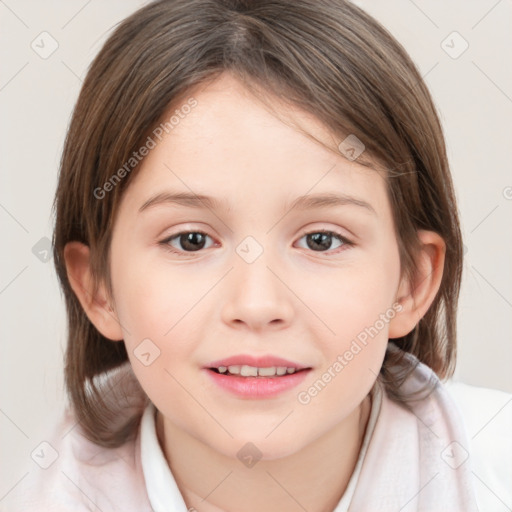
472, 92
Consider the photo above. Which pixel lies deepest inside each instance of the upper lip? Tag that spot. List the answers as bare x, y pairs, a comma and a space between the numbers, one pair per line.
265, 361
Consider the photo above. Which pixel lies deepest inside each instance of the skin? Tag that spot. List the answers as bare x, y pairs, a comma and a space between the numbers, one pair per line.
292, 301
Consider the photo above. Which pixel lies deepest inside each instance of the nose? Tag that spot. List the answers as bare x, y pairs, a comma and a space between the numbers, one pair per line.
257, 298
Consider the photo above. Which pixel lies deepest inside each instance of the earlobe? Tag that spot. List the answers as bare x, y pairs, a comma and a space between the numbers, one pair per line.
416, 297
95, 303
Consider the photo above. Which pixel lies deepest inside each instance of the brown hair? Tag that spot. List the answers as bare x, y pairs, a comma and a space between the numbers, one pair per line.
327, 57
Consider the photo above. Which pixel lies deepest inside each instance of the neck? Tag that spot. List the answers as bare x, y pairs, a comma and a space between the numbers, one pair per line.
314, 479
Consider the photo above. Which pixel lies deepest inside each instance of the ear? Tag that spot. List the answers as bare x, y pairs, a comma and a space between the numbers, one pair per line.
96, 307
416, 297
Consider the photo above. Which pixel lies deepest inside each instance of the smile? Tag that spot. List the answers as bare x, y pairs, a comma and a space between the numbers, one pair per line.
252, 371
256, 383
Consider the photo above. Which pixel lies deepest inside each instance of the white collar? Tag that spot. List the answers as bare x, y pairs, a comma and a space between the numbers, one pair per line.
376, 400
163, 492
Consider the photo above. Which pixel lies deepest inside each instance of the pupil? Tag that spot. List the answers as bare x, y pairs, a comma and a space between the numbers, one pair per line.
322, 240
190, 240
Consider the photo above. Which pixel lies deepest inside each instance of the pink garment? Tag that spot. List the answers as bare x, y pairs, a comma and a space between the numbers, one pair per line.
84, 477
418, 458
416, 461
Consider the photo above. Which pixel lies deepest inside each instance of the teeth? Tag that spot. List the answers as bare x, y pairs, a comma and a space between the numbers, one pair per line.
251, 371
248, 371
267, 372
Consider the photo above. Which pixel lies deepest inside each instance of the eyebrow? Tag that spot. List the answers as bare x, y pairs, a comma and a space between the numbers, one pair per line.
306, 202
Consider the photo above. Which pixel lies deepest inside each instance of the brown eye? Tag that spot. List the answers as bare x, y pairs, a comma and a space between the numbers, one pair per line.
321, 241
186, 241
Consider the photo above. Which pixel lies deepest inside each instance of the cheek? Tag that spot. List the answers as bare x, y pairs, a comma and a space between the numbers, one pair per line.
161, 339
152, 298
156, 307
353, 355
354, 297
357, 306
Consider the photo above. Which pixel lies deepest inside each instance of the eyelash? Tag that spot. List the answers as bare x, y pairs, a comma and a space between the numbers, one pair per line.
165, 243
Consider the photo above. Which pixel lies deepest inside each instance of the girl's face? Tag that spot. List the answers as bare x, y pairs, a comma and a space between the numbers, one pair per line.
261, 279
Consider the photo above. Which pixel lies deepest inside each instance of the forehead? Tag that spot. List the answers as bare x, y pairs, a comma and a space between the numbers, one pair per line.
234, 147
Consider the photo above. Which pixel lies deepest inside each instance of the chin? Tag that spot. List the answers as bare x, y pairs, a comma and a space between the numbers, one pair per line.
248, 449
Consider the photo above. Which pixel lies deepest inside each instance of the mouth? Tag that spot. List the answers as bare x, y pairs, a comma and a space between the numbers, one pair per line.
256, 372
256, 382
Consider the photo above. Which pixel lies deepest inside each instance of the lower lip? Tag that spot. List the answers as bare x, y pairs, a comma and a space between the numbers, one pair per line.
257, 387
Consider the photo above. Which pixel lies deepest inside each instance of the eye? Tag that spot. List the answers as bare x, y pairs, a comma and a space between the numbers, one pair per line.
189, 241
195, 241
321, 240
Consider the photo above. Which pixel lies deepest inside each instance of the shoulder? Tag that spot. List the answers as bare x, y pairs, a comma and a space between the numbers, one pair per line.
66, 472
487, 416
483, 408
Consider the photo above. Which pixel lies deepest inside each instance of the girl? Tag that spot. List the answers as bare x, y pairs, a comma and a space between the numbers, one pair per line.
258, 242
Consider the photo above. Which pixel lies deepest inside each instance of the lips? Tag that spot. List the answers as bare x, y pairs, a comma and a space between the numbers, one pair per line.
256, 377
